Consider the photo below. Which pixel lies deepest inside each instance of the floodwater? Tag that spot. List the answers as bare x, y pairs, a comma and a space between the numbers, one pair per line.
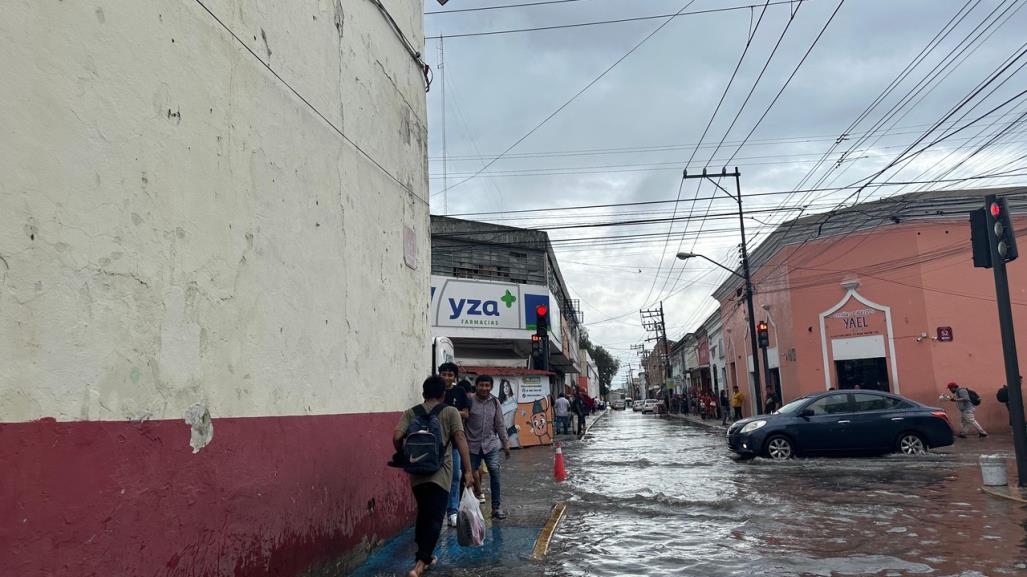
659, 496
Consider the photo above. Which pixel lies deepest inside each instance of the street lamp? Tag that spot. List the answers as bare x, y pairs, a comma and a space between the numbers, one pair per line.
752, 319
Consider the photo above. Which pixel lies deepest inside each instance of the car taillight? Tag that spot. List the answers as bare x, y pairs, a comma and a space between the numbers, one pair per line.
942, 415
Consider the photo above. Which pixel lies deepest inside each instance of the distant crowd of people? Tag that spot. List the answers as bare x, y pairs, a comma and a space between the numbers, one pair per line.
723, 405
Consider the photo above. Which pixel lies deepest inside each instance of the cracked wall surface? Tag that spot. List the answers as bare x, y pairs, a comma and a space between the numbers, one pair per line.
177, 227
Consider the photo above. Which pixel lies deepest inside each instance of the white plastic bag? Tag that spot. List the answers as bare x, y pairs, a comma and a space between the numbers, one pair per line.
470, 523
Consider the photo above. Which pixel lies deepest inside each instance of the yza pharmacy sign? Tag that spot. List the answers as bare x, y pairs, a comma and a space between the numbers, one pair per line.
460, 303
482, 309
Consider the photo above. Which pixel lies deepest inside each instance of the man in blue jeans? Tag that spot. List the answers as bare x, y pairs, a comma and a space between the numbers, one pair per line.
455, 397
486, 435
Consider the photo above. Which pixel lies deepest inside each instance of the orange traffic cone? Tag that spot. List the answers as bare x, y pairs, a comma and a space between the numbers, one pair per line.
559, 471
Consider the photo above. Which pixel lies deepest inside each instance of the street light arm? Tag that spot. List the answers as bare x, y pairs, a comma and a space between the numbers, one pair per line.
688, 255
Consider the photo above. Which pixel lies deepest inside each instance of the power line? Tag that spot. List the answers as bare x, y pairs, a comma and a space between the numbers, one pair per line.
614, 21
295, 92
750, 195
482, 8
569, 101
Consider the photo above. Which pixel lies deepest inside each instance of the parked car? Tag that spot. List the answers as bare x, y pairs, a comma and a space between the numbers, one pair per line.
849, 421
636, 406
649, 405
617, 404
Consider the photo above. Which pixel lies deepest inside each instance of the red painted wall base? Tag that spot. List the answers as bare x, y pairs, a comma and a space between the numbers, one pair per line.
268, 496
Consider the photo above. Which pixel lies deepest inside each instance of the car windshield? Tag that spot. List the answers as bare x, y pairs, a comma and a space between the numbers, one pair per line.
791, 407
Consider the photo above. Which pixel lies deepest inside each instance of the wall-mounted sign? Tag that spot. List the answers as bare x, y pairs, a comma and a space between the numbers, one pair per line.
483, 309
945, 334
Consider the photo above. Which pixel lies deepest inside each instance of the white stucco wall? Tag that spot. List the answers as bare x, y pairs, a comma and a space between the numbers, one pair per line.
178, 227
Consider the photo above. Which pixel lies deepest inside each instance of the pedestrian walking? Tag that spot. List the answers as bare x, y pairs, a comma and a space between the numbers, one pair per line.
578, 408
455, 397
964, 402
771, 404
725, 406
486, 435
562, 407
737, 400
431, 490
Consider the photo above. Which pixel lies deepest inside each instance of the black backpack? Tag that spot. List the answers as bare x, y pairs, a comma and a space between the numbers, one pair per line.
423, 450
975, 399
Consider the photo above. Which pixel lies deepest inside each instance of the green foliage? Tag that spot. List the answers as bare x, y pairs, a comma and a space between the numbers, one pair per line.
605, 364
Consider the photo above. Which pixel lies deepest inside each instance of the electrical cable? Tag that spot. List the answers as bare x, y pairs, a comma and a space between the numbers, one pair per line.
614, 21
295, 92
568, 102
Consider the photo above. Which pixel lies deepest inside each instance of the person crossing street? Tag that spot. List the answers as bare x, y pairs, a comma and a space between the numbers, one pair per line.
967, 409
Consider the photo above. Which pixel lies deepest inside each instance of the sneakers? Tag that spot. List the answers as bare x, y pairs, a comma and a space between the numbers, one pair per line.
961, 435
498, 513
982, 435
481, 498
451, 520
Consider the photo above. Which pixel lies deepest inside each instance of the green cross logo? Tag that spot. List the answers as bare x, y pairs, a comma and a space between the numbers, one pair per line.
508, 299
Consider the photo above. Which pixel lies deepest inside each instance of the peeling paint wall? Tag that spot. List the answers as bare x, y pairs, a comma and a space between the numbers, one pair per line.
178, 227
188, 245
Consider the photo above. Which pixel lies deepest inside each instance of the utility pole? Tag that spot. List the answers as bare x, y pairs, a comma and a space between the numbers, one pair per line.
445, 175
746, 277
643, 355
1003, 248
653, 321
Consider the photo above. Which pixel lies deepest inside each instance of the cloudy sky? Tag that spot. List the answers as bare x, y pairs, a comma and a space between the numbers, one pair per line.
635, 126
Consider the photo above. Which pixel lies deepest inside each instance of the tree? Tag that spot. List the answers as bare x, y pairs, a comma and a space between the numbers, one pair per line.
605, 364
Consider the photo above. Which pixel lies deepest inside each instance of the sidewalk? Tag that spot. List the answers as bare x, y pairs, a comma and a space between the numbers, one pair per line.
529, 494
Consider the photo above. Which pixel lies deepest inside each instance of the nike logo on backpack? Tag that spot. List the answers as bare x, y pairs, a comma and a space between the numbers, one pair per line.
417, 458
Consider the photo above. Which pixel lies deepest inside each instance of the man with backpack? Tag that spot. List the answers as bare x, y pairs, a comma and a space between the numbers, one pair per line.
456, 396
486, 435
966, 401
423, 437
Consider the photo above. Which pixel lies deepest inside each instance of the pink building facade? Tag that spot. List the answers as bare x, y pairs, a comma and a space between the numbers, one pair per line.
881, 296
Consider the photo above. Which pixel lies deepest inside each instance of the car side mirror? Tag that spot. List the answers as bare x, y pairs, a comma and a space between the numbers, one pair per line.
807, 413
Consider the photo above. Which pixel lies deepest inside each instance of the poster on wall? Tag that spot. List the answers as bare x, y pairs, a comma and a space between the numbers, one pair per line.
527, 411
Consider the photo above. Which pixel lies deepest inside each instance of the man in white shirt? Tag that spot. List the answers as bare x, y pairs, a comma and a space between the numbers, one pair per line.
562, 407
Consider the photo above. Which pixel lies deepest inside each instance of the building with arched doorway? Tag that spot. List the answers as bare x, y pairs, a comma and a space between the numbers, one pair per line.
882, 295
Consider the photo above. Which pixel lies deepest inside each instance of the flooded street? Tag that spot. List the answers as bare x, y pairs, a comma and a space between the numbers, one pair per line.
659, 496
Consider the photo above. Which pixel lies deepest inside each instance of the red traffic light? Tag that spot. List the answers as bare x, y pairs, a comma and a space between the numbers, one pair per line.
541, 310
995, 209
762, 326
536, 338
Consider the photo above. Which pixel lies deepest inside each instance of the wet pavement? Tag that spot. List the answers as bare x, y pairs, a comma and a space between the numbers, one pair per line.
663, 496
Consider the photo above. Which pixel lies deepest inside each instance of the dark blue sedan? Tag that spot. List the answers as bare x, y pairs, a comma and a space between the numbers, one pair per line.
848, 421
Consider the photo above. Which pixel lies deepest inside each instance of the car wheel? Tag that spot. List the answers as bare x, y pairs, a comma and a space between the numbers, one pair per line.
911, 444
780, 448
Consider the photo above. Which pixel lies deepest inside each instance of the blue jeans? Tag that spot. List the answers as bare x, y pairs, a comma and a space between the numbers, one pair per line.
454, 487
492, 464
563, 423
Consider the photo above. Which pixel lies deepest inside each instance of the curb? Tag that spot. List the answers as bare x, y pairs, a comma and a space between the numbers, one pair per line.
1007, 495
594, 421
696, 421
546, 535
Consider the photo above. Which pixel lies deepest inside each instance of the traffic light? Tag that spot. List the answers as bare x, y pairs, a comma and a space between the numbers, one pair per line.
763, 334
980, 239
540, 340
542, 318
1002, 230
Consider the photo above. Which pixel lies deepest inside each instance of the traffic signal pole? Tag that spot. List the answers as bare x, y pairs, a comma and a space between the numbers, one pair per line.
1005, 321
